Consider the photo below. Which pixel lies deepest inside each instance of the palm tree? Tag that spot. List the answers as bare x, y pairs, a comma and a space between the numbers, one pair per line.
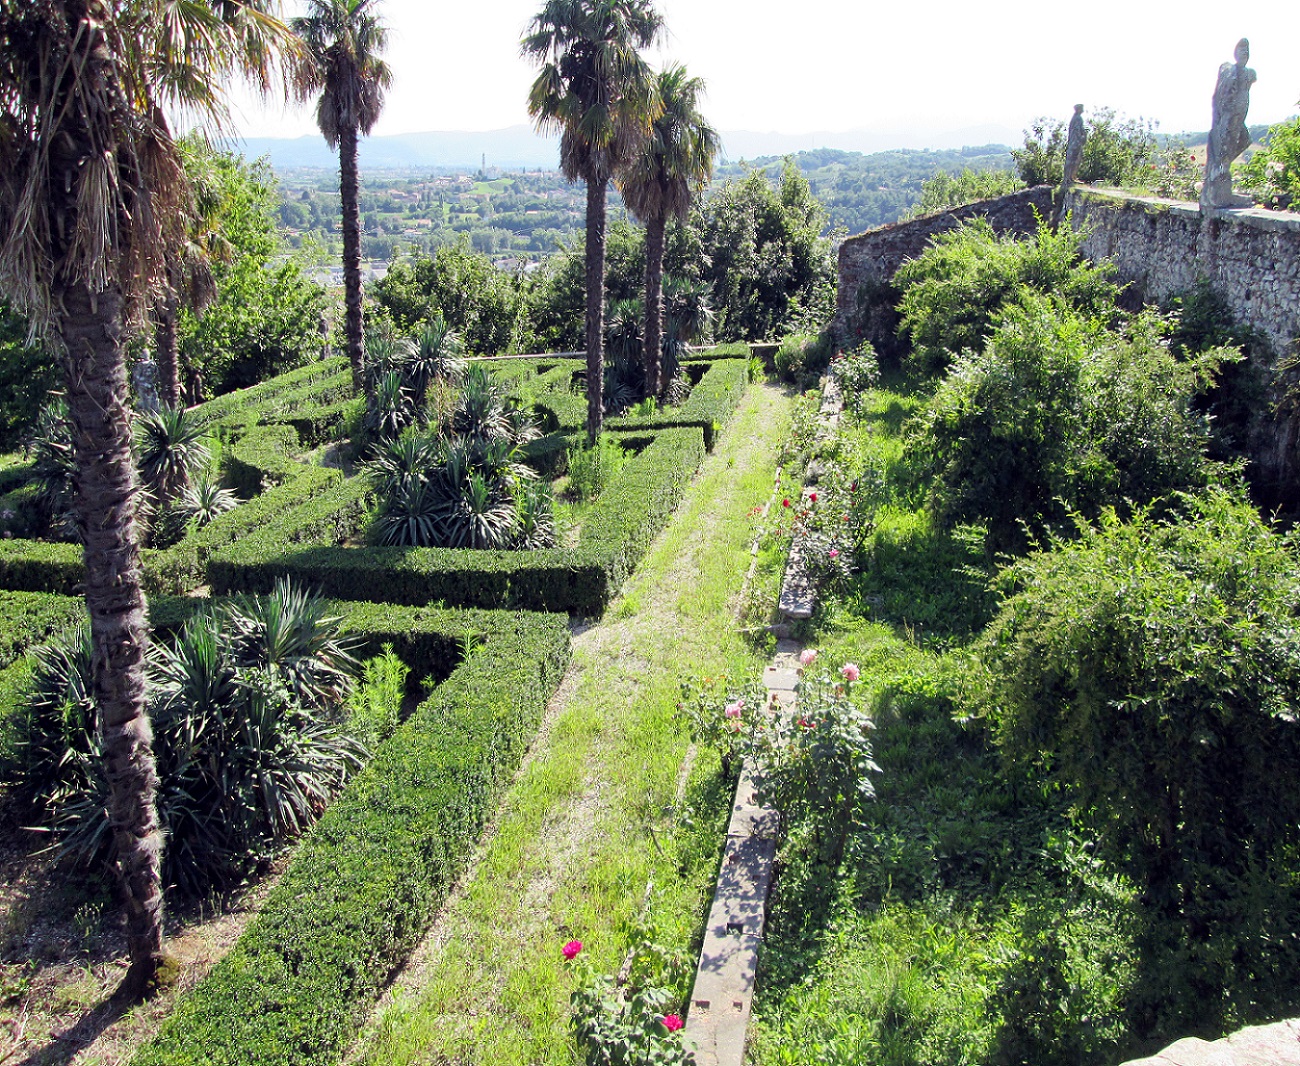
596, 91
188, 280
92, 196
344, 39
675, 163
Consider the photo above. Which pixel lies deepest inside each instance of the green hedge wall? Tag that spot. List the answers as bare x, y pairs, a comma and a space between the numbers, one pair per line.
365, 882
239, 405
614, 538
37, 566
26, 619
712, 401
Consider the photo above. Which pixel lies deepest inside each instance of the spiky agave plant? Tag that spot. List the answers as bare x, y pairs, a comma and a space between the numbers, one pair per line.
205, 500
436, 355
54, 469
169, 450
245, 703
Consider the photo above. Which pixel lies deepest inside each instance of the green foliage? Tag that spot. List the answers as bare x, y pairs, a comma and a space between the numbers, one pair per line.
28, 373
1272, 173
485, 306
954, 290
170, 449
802, 358
592, 468
856, 371
54, 471
267, 317
244, 706
632, 1025
1058, 414
946, 190
761, 251
365, 882
1118, 151
721, 713
615, 535
1150, 666
374, 707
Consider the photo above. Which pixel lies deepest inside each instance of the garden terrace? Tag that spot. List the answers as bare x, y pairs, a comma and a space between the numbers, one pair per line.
306, 544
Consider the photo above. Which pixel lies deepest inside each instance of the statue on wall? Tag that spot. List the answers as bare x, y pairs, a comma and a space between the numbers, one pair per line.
1228, 134
1074, 141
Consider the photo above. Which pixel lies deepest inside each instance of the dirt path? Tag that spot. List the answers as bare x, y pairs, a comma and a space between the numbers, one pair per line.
572, 849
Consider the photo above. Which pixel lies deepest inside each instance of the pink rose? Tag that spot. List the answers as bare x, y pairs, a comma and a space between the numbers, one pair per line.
807, 657
850, 672
571, 949
734, 709
672, 1023
835, 553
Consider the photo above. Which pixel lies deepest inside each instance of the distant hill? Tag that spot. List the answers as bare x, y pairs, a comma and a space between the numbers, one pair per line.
520, 148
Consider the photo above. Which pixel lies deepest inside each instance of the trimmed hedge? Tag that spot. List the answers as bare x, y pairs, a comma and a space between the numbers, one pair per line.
26, 620
366, 881
40, 566
713, 399
239, 405
614, 538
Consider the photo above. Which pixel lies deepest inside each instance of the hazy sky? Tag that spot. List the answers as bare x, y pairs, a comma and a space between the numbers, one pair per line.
794, 66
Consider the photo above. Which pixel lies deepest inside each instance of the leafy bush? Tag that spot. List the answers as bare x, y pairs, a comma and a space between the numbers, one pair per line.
592, 468
1151, 667
1117, 152
54, 470
374, 708
946, 190
953, 291
1272, 173
802, 357
1059, 414
245, 707
856, 371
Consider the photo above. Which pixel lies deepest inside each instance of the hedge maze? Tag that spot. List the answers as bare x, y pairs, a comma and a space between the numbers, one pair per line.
489, 629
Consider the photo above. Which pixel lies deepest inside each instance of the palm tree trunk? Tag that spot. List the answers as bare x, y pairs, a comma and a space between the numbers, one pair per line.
105, 508
349, 192
169, 385
654, 304
595, 308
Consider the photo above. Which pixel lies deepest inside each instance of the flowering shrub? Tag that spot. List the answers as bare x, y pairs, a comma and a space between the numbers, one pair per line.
814, 763
722, 715
831, 523
856, 370
629, 1025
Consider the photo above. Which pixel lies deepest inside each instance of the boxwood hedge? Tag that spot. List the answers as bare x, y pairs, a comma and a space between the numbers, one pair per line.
614, 538
365, 882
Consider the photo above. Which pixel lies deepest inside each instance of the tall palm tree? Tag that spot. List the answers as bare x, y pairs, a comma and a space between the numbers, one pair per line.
344, 39
188, 280
675, 163
92, 195
597, 92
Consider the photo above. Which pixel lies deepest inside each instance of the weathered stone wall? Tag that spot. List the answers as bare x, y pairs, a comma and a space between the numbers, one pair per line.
867, 262
1161, 247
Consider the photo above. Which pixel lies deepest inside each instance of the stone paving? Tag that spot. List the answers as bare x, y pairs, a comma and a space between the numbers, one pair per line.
724, 981
1260, 1045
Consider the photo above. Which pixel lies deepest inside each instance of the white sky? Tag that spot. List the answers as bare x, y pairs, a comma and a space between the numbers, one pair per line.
795, 66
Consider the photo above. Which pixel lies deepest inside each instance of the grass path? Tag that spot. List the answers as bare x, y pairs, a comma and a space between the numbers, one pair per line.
590, 821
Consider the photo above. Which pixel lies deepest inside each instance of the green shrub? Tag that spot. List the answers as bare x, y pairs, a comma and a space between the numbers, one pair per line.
615, 536
1152, 668
802, 357
1059, 414
366, 881
1117, 151
1272, 173
592, 468
953, 291
374, 708
245, 705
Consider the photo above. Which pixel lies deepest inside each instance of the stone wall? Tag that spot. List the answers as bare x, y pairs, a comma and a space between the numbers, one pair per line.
1162, 247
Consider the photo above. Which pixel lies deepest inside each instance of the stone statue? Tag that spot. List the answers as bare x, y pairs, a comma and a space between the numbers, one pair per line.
144, 375
1073, 157
1228, 134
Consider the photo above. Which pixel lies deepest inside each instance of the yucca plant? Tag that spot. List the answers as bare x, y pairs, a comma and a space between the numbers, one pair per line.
205, 500
391, 407
534, 516
53, 469
436, 355
245, 703
169, 449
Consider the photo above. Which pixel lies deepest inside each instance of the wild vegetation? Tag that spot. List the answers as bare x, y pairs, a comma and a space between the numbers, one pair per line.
1071, 629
